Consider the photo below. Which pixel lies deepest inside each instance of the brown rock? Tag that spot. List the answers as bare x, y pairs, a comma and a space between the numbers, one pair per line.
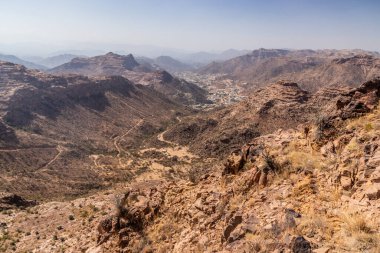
300, 245
346, 183
263, 179
373, 192
233, 222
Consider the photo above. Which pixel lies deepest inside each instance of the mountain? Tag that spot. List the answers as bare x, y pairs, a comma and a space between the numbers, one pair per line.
109, 64
114, 64
171, 65
56, 130
310, 69
53, 61
16, 60
165, 63
297, 189
204, 58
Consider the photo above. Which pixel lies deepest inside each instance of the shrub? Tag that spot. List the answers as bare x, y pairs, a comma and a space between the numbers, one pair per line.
368, 127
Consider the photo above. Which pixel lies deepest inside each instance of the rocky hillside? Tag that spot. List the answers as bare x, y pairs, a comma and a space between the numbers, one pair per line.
279, 105
113, 64
312, 188
56, 131
297, 190
310, 69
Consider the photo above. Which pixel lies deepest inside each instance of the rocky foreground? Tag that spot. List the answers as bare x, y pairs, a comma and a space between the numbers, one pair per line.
311, 188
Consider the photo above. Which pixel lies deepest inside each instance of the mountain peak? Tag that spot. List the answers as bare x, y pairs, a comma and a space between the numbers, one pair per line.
111, 54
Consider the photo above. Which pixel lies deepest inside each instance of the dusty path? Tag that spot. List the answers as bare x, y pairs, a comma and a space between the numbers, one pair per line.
174, 149
95, 157
160, 137
60, 150
119, 138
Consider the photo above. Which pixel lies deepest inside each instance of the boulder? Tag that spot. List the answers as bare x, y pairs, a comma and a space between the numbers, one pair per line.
300, 245
373, 192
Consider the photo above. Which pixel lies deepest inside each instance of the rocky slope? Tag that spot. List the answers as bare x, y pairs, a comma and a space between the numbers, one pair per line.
295, 191
113, 64
310, 69
64, 136
279, 105
311, 188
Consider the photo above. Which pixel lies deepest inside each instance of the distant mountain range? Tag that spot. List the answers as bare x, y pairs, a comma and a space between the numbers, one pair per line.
182, 60
203, 58
53, 61
311, 69
16, 60
165, 63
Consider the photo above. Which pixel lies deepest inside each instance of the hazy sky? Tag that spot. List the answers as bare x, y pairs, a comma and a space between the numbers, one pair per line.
193, 24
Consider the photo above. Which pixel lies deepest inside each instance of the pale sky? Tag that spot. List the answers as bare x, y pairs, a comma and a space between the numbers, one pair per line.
190, 24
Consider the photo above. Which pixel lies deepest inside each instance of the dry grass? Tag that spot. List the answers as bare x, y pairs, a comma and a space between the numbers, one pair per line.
362, 232
164, 231
313, 224
305, 160
353, 146
304, 187
256, 242
236, 202
355, 223
333, 196
369, 123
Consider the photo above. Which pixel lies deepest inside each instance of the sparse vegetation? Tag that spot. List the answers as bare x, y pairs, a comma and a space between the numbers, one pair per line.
362, 230
322, 124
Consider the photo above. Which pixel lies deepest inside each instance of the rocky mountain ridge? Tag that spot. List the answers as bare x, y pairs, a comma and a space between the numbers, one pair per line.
310, 69
58, 127
126, 66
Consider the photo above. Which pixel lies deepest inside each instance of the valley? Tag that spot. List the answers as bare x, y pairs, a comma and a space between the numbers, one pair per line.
272, 151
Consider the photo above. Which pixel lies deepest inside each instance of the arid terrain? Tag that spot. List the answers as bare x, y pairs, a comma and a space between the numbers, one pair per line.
273, 151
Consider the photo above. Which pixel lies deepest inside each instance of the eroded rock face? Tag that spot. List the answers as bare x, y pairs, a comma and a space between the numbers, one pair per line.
135, 210
359, 101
